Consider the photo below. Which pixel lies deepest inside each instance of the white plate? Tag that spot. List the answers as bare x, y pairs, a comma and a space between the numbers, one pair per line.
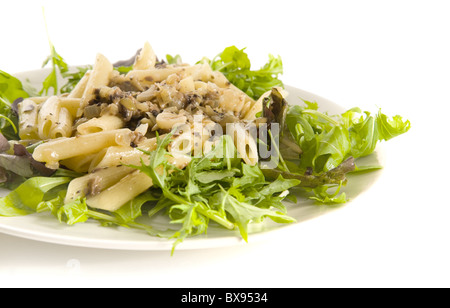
45, 227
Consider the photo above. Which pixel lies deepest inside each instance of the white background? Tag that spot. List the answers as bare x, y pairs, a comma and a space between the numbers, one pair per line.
389, 54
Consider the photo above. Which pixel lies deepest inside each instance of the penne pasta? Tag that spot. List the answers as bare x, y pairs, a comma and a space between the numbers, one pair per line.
146, 59
126, 189
39, 99
117, 155
145, 138
96, 181
245, 142
48, 117
101, 124
52, 152
71, 104
28, 123
99, 77
153, 75
79, 163
62, 128
109, 118
168, 120
187, 85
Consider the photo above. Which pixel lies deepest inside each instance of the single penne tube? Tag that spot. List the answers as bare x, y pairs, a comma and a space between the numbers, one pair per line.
127, 155
182, 144
150, 76
126, 189
146, 59
80, 87
62, 128
52, 152
180, 160
95, 182
187, 85
28, 118
48, 116
123, 155
245, 141
234, 99
231, 100
209, 145
142, 129
202, 72
79, 163
100, 124
168, 120
253, 110
245, 111
71, 104
117, 155
220, 80
99, 77
39, 99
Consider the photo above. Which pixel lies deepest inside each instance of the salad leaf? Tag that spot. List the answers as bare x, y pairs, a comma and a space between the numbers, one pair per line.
132, 210
275, 109
330, 145
367, 130
72, 78
11, 90
78, 211
57, 64
17, 164
322, 195
334, 176
326, 141
25, 199
243, 213
74, 212
235, 64
217, 187
174, 59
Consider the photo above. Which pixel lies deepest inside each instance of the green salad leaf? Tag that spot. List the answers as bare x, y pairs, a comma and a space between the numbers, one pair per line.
11, 89
26, 198
216, 187
174, 59
77, 211
73, 78
58, 65
328, 145
326, 141
235, 64
366, 130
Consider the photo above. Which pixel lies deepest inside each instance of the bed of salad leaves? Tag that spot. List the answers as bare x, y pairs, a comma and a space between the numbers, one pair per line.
214, 188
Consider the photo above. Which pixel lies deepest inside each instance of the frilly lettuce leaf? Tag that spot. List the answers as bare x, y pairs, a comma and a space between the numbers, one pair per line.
367, 130
235, 64
326, 141
229, 192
